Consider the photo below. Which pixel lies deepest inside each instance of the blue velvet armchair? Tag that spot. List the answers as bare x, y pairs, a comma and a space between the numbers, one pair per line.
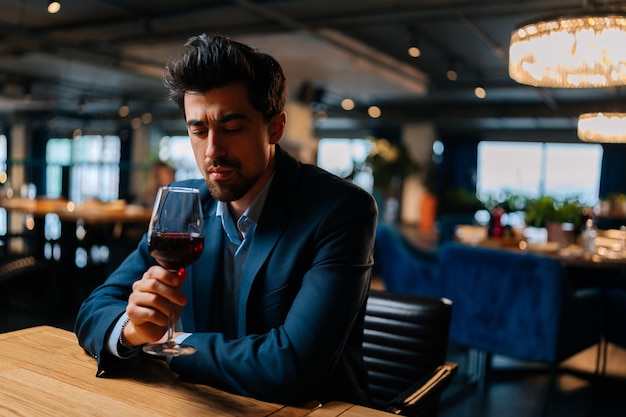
519, 305
403, 267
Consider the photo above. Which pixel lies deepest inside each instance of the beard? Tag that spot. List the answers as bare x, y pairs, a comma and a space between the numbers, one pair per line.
235, 187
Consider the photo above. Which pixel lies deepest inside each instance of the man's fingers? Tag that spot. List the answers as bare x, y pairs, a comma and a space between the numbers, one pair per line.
148, 307
160, 288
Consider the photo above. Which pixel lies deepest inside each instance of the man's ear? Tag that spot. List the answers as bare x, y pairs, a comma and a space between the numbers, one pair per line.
277, 127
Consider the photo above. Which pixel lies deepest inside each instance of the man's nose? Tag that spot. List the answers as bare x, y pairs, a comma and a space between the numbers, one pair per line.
214, 146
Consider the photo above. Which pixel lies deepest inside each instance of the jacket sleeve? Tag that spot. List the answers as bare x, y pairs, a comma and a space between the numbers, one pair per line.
100, 311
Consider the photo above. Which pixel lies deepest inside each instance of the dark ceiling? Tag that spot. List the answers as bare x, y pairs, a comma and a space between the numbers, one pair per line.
101, 52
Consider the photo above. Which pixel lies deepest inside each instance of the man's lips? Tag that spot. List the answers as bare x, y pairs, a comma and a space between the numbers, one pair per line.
220, 173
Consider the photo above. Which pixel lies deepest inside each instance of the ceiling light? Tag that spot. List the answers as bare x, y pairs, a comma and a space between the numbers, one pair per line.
53, 6
146, 118
602, 127
374, 112
347, 104
414, 51
480, 92
124, 109
452, 75
570, 52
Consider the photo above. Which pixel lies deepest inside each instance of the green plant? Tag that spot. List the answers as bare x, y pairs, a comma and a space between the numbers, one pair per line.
546, 209
539, 211
388, 161
569, 210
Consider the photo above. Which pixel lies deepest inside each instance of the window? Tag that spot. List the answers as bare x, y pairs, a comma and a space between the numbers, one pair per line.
535, 169
58, 155
94, 162
177, 151
345, 157
95, 172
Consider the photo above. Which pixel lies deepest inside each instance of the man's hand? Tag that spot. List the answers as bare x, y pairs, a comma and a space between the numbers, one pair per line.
149, 305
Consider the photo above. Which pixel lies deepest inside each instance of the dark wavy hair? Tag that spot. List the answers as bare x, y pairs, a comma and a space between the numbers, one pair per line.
212, 61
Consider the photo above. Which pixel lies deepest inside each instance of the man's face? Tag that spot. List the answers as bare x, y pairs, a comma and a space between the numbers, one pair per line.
232, 144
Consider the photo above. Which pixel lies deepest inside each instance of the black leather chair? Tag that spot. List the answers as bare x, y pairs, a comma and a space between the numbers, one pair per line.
405, 343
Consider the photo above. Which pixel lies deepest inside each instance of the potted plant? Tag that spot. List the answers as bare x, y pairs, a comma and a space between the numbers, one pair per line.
553, 214
539, 211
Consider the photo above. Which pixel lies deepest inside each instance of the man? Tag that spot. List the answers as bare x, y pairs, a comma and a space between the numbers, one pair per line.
275, 304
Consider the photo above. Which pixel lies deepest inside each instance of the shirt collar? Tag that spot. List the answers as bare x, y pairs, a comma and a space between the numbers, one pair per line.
253, 212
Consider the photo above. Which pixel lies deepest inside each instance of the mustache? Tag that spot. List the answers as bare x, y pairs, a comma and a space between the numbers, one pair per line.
221, 162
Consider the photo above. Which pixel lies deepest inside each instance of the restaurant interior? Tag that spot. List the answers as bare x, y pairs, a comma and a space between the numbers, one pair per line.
493, 143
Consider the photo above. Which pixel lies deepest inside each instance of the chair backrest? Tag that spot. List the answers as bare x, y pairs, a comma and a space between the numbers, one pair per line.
404, 267
447, 223
405, 337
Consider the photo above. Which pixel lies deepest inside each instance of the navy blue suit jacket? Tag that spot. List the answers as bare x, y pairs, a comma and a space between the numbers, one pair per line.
302, 295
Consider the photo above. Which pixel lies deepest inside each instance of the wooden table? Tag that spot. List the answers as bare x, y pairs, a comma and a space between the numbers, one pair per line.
44, 372
338, 408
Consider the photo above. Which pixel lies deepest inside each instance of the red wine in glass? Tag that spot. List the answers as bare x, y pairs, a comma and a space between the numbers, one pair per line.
175, 240
176, 250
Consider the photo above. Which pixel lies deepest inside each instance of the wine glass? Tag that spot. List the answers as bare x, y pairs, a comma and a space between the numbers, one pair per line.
175, 240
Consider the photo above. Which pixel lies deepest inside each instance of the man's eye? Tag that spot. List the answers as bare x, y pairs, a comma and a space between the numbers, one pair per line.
233, 129
199, 133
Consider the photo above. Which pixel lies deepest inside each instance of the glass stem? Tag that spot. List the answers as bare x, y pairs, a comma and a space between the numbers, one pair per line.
170, 321
170, 325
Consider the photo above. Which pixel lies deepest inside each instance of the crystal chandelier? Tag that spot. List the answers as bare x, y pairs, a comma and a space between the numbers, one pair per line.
570, 52
602, 127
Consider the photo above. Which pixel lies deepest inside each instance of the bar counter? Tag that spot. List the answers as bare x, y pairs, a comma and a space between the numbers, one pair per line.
90, 212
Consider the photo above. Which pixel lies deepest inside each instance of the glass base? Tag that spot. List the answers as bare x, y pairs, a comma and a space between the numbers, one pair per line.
168, 349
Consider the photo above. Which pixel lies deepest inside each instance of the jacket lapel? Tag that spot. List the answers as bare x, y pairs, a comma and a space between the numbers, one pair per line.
274, 218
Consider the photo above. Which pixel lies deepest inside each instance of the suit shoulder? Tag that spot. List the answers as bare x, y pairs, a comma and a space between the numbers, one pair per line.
316, 178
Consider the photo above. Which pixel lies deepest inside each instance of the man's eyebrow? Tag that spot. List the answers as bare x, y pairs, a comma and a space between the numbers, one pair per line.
224, 119
195, 122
